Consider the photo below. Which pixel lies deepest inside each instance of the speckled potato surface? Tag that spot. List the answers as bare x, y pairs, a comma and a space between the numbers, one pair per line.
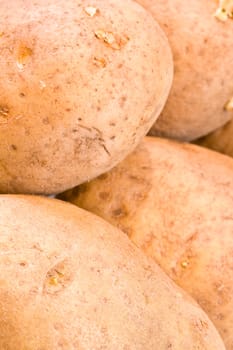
203, 56
81, 83
220, 140
175, 201
69, 280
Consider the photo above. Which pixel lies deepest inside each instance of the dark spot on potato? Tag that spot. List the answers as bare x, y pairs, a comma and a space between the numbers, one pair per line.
112, 137
23, 264
220, 317
112, 124
14, 148
37, 247
119, 212
104, 195
22, 94
122, 101
45, 121
68, 109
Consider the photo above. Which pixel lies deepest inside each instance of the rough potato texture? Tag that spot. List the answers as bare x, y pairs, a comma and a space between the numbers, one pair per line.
203, 56
80, 86
175, 201
220, 140
70, 281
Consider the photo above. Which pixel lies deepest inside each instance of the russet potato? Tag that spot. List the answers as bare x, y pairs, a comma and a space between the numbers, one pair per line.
200, 34
175, 202
81, 84
70, 281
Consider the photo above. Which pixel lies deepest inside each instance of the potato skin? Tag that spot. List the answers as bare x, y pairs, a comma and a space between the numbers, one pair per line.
69, 281
203, 56
220, 140
73, 103
175, 201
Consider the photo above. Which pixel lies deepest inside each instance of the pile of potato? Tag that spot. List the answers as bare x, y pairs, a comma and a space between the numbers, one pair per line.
100, 102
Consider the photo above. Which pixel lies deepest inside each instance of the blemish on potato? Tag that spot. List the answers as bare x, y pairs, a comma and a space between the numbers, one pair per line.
23, 54
1, 34
229, 105
42, 84
104, 195
99, 62
4, 111
120, 212
112, 124
112, 40
123, 100
225, 10
45, 120
201, 325
185, 264
53, 281
91, 11
14, 148
58, 277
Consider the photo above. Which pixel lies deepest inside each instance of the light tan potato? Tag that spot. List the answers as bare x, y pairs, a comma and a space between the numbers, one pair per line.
220, 140
81, 84
175, 201
70, 281
203, 56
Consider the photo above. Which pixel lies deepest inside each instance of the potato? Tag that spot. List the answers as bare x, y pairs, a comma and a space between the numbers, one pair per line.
175, 201
220, 140
201, 40
70, 281
81, 83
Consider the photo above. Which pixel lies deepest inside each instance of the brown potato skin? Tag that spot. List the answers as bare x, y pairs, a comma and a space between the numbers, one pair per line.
175, 201
71, 105
107, 294
203, 56
220, 140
